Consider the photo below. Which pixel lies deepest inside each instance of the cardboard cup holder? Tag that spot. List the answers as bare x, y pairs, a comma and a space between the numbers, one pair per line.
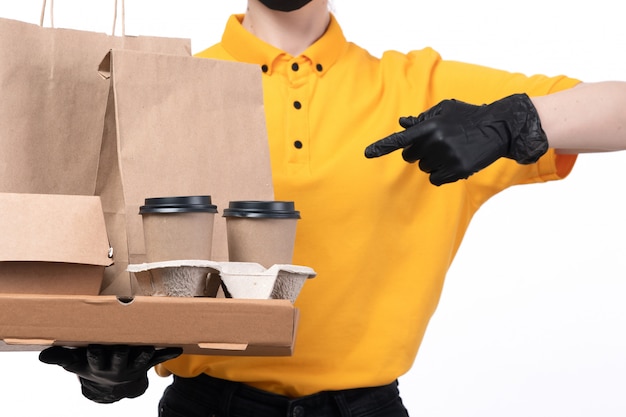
200, 278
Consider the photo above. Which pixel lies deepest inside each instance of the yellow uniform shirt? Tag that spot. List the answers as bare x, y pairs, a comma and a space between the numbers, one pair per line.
378, 234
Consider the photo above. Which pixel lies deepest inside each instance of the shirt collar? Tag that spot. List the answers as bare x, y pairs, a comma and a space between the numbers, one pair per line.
245, 47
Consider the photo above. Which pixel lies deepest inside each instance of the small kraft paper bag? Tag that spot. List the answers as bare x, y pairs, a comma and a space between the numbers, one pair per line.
53, 103
177, 126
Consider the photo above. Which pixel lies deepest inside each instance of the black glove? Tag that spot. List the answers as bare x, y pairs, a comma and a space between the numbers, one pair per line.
453, 140
109, 373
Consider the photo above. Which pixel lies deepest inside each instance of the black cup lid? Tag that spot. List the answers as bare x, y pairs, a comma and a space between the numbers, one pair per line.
262, 209
192, 208
177, 201
183, 204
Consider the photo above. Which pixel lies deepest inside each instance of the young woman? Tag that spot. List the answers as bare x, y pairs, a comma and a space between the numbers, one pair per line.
380, 233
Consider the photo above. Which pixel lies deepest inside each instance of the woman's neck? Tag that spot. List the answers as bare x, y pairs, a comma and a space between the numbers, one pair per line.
291, 32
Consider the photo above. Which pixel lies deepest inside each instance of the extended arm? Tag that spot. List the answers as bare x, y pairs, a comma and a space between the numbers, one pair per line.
453, 140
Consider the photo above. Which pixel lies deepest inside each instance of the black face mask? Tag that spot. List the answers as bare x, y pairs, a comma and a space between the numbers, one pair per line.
284, 5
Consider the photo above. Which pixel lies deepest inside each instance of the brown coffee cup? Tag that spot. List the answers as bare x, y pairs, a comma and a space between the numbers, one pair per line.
261, 231
178, 228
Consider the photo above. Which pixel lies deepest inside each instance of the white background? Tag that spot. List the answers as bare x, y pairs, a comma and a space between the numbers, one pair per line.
533, 316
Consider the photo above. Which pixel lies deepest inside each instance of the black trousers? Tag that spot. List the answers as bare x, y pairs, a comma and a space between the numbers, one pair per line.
204, 396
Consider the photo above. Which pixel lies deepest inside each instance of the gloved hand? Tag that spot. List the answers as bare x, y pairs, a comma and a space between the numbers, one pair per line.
453, 140
109, 373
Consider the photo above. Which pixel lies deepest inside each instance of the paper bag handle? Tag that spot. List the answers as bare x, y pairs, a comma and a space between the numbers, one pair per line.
43, 15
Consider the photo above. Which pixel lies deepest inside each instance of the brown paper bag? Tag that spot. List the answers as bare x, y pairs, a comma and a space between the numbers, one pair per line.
53, 103
178, 126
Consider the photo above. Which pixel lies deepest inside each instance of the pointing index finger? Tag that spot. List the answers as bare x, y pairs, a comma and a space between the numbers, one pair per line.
388, 144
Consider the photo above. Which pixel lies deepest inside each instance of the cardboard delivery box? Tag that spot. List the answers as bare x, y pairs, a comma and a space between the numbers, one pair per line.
52, 244
200, 325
